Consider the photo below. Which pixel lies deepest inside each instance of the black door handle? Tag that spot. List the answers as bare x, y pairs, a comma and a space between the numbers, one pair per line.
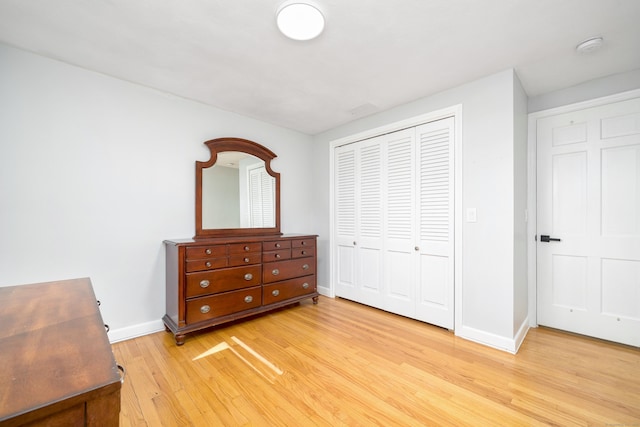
545, 238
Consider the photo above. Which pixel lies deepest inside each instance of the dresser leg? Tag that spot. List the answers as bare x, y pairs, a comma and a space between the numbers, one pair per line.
180, 339
315, 300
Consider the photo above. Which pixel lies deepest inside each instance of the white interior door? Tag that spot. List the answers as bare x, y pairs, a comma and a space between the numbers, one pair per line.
435, 223
588, 182
368, 242
399, 222
345, 232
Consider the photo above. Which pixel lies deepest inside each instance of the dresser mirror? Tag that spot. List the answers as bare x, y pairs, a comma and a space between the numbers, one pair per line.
237, 192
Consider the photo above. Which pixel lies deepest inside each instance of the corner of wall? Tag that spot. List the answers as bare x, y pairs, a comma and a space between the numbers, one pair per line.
489, 339
135, 331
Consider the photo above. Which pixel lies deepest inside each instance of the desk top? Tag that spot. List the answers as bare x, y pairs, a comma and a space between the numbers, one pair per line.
54, 351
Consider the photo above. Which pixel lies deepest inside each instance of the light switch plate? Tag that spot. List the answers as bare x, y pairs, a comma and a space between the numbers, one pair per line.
472, 215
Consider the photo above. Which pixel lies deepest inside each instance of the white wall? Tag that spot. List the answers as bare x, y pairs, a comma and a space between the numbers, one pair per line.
487, 300
95, 172
592, 89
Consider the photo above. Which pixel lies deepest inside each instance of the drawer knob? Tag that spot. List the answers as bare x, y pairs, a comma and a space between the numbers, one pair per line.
275, 292
277, 255
208, 251
303, 252
275, 271
204, 283
302, 243
208, 264
205, 309
305, 285
277, 245
246, 260
248, 299
305, 267
248, 276
246, 248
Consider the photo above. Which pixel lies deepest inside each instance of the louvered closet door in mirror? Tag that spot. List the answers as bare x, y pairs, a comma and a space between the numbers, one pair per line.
393, 222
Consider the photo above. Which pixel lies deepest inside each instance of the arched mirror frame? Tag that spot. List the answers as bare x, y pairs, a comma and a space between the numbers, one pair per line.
242, 145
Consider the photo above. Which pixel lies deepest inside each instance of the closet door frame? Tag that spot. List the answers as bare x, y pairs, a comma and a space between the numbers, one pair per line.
454, 111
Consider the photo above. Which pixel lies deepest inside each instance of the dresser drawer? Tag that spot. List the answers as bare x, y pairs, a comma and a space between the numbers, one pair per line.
225, 279
279, 255
281, 291
301, 252
283, 270
206, 264
243, 248
245, 259
276, 245
204, 308
303, 243
202, 252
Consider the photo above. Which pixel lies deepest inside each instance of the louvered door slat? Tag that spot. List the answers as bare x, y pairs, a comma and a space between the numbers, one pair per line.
345, 193
399, 188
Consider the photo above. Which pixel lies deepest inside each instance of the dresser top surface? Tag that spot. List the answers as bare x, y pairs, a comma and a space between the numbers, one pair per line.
53, 345
236, 239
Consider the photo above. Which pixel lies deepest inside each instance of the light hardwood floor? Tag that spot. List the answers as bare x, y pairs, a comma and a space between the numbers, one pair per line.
339, 363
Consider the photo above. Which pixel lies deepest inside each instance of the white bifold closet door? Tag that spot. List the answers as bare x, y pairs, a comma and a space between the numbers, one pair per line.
393, 228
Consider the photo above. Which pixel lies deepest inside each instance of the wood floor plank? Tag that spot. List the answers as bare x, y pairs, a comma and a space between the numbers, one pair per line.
339, 363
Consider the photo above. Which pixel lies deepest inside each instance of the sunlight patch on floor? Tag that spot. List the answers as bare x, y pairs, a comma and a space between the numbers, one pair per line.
249, 353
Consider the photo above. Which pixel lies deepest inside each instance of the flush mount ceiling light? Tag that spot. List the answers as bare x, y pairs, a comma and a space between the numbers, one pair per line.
300, 20
590, 45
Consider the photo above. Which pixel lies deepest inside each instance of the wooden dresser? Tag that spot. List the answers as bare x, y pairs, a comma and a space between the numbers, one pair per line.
57, 367
219, 280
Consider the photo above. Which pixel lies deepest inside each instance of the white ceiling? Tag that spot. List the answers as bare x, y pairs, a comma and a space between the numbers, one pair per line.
372, 56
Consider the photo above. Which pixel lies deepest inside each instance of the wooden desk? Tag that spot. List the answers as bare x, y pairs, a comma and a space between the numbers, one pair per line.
56, 363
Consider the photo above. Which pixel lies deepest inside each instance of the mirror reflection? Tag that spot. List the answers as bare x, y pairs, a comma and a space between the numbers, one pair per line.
237, 192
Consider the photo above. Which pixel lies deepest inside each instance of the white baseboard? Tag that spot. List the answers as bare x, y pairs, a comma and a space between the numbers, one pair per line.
135, 331
510, 345
326, 291
521, 334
